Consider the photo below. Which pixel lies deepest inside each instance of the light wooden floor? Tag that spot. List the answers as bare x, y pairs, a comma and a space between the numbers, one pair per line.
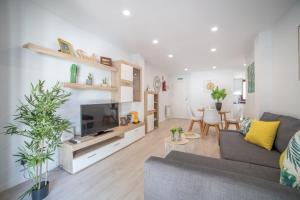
119, 176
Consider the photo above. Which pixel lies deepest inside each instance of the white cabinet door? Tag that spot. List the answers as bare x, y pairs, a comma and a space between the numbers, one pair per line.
126, 72
134, 135
126, 94
94, 156
150, 102
150, 123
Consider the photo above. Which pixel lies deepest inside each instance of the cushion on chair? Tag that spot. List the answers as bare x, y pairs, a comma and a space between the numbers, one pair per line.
257, 171
234, 147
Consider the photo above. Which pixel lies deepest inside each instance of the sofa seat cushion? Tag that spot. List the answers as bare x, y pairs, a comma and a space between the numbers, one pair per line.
234, 147
266, 173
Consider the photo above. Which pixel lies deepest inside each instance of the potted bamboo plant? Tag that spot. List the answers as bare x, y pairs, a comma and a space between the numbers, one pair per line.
37, 120
218, 95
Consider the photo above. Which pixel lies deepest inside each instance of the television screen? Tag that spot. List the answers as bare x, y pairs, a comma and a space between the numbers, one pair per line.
98, 118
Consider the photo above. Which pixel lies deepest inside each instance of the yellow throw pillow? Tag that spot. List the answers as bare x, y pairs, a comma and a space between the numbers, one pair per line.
281, 159
262, 133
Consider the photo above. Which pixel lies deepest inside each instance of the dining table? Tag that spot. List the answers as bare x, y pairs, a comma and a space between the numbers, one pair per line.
222, 114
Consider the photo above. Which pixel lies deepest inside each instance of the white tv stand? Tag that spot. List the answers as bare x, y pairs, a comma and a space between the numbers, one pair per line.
75, 157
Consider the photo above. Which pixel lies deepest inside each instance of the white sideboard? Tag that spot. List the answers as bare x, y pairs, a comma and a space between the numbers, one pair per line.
76, 157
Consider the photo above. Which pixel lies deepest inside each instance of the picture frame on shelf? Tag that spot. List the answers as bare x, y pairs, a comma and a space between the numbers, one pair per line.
65, 46
106, 61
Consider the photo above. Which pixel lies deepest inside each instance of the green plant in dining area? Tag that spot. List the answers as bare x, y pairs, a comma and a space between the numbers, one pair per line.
218, 95
38, 122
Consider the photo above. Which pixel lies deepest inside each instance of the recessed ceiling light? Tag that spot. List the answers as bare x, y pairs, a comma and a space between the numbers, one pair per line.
214, 29
213, 50
155, 41
186, 69
170, 55
126, 12
214, 67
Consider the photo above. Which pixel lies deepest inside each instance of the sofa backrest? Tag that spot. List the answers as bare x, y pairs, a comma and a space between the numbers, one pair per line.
287, 128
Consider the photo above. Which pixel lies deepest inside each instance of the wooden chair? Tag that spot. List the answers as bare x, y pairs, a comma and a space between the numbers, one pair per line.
233, 120
229, 122
194, 119
212, 119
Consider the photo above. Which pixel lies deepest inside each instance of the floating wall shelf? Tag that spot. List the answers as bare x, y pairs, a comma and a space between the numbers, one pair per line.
88, 87
54, 53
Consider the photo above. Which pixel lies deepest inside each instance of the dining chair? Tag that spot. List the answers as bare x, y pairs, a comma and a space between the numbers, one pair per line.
233, 120
194, 118
212, 119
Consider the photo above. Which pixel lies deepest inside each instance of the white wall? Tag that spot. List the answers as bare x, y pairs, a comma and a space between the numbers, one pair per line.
277, 68
22, 22
285, 73
192, 88
263, 70
150, 72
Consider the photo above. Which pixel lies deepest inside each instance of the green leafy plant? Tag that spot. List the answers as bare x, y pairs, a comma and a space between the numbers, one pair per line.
218, 94
90, 76
105, 81
38, 122
173, 130
180, 130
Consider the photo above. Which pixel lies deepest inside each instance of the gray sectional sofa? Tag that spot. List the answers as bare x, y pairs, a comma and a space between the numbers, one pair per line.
245, 171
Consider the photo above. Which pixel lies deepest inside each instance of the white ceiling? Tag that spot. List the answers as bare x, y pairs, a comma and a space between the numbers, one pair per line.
181, 26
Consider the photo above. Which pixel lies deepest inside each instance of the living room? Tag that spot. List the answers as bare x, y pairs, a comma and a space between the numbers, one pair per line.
197, 99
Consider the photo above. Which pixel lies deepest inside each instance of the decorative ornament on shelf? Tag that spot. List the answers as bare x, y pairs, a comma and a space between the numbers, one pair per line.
83, 55
65, 47
74, 72
89, 80
164, 84
106, 61
135, 117
104, 82
156, 84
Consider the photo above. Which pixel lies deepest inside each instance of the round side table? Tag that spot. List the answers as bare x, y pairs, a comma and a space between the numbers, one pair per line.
181, 145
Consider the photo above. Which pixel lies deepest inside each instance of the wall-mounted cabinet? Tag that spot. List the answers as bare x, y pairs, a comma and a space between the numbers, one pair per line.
128, 77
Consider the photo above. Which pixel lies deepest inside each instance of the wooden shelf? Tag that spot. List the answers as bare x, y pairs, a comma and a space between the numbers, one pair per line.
88, 87
54, 53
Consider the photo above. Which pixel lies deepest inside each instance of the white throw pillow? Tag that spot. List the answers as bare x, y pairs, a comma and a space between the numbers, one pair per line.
290, 173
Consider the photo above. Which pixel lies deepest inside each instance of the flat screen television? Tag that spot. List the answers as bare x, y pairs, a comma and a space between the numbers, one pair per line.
98, 118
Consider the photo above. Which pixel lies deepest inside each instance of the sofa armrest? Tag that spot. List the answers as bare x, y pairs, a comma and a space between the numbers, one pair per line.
172, 180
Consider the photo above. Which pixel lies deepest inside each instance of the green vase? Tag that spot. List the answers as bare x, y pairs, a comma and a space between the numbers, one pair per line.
74, 70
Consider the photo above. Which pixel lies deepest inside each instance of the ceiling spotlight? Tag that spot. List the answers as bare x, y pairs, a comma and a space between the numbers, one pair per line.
186, 69
214, 67
213, 50
170, 55
155, 41
214, 29
126, 12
